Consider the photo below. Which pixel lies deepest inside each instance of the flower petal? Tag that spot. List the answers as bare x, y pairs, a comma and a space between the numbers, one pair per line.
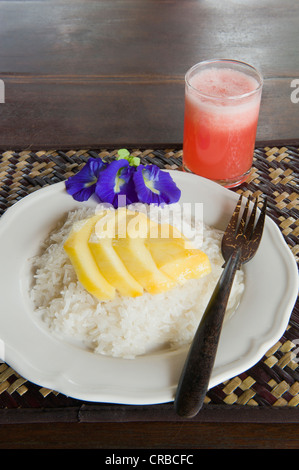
154, 186
82, 185
115, 184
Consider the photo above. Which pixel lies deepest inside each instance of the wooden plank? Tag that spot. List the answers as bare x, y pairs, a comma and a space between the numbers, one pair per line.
58, 112
189, 437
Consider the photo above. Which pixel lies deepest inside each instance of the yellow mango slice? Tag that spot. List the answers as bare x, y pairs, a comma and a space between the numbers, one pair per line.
139, 262
177, 262
107, 259
88, 273
174, 255
137, 258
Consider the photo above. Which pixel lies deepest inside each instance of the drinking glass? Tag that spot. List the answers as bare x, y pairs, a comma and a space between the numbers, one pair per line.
222, 103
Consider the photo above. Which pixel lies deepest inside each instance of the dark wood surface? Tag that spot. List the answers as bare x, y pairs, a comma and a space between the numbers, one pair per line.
138, 436
106, 73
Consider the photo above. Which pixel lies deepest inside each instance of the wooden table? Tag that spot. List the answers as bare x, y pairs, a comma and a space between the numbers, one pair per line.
106, 73
103, 74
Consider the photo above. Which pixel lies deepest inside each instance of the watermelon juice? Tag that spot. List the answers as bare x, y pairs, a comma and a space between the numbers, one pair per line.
222, 102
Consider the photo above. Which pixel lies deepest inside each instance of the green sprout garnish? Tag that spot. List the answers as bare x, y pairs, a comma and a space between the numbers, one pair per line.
124, 154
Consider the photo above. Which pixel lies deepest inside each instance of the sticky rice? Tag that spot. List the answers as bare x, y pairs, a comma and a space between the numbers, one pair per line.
126, 327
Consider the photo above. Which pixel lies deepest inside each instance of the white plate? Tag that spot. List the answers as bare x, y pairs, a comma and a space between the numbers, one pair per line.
261, 318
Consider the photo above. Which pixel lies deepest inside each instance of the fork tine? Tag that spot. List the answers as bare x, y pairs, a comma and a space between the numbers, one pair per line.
233, 223
251, 221
243, 220
252, 243
256, 235
229, 237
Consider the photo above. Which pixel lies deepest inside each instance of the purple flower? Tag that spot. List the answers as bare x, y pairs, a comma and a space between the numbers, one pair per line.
116, 185
155, 186
82, 185
123, 181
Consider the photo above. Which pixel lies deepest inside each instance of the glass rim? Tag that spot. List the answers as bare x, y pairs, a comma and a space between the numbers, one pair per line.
231, 61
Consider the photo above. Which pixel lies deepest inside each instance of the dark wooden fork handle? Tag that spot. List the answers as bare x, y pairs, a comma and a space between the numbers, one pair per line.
195, 377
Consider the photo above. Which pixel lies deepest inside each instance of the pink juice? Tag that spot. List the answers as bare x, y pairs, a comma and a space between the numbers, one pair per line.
221, 115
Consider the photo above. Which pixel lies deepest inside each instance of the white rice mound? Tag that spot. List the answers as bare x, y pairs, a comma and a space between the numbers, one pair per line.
126, 327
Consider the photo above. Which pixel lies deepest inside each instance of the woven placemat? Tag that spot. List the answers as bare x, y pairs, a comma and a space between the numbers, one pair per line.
272, 382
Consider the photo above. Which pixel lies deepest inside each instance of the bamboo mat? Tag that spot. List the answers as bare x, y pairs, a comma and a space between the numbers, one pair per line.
272, 382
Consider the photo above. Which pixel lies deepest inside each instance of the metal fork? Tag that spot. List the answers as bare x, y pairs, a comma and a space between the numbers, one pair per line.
239, 244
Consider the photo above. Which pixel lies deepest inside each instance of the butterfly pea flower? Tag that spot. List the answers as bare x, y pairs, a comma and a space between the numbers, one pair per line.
154, 186
116, 185
82, 185
123, 181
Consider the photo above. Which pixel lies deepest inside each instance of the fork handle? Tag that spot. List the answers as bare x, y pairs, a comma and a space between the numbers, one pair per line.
195, 377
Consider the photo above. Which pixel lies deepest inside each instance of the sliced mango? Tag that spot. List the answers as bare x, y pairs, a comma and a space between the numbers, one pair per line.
139, 262
88, 273
129, 244
127, 252
112, 267
174, 255
177, 262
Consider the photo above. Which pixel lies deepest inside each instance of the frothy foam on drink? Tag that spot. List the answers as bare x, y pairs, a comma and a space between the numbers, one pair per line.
223, 83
